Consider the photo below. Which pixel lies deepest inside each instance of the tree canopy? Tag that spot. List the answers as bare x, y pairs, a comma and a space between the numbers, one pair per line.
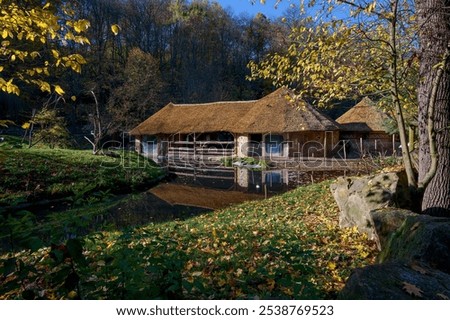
33, 38
335, 59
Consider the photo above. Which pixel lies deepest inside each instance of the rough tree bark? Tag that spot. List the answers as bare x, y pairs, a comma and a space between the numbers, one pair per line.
433, 17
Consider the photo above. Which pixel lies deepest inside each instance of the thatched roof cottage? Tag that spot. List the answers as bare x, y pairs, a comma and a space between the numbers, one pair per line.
363, 117
274, 126
362, 127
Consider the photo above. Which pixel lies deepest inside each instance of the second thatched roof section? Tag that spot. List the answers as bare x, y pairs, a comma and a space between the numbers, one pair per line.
363, 117
272, 113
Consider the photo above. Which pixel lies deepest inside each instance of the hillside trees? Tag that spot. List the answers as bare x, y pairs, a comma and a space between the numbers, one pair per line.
198, 50
140, 92
209, 50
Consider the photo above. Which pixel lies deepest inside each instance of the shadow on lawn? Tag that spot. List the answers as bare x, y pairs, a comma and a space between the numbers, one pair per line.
147, 208
32, 230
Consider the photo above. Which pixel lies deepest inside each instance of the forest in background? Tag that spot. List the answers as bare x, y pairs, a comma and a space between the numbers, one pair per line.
163, 52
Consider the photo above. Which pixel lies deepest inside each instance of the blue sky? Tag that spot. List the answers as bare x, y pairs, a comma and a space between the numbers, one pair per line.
242, 6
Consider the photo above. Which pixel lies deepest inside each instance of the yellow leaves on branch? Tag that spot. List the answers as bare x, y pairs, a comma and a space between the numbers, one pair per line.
59, 90
6, 33
79, 26
45, 87
115, 29
317, 60
370, 7
334, 61
8, 86
55, 53
45, 27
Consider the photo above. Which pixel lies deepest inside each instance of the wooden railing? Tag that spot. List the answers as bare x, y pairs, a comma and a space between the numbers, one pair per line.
200, 149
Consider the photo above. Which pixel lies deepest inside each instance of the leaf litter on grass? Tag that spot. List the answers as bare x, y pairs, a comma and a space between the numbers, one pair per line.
285, 247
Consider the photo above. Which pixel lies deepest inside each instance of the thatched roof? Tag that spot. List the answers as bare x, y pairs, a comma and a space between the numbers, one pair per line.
273, 113
363, 117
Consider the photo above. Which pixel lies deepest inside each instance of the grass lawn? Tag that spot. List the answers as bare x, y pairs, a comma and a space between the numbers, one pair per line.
285, 247
38, 173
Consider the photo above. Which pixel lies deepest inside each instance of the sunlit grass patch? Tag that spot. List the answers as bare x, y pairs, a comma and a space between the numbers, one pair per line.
34, 174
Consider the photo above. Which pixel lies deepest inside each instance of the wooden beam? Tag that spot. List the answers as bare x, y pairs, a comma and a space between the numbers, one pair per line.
361, 146
195, 145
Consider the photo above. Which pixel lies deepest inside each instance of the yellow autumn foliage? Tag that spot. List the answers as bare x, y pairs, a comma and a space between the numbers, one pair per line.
337, 60
25, 26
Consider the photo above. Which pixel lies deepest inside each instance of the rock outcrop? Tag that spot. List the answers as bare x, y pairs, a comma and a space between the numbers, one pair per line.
357, 197
415, 260
386, 222
421, 238
396, 281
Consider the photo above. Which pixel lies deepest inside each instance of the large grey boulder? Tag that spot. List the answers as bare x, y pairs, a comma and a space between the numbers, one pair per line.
421, 238
356, 197
415, 260
386, 222
397, 281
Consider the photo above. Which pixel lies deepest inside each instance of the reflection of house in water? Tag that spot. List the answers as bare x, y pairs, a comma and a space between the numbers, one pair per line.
274, 127
274, 181
362, 131
240, 178
260, 181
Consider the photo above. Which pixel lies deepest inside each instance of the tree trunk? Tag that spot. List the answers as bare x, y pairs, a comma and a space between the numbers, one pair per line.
434, 33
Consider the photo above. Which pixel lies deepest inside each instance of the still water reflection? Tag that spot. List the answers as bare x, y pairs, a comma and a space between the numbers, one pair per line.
189, 193
252, 181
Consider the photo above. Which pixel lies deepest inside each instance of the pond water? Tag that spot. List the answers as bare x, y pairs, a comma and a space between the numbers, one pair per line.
56, 225
186, 195
271, 181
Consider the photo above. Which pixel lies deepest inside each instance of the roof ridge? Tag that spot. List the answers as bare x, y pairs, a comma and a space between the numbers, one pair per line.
365, 102
274, 112
211, 103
